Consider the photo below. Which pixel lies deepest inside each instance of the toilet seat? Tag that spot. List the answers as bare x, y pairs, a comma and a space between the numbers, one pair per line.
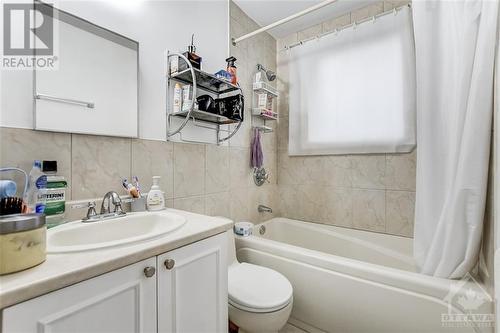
258, 289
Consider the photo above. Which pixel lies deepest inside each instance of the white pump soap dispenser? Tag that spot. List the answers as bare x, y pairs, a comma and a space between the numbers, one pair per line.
155, 199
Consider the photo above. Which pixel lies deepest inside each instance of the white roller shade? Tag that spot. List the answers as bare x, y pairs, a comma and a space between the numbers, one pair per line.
354, 92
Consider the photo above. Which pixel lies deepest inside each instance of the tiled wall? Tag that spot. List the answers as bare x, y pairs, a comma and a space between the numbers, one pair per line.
209, 179
370, 192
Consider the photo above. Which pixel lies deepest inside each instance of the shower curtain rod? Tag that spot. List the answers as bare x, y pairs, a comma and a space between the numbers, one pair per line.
282, 21
371, 18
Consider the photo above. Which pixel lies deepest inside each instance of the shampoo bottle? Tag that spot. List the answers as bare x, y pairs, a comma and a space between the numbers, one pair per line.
155, 199
177, 98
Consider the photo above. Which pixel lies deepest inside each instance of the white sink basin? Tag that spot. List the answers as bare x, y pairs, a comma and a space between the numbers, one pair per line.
131, 228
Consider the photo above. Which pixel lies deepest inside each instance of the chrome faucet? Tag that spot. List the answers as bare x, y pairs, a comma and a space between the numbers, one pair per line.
264, 209
111, 198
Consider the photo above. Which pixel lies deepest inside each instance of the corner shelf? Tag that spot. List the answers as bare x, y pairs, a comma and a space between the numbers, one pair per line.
263, 87
263, 113
264, 129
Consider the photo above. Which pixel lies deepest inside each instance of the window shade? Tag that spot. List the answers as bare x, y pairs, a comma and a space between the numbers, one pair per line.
353, 92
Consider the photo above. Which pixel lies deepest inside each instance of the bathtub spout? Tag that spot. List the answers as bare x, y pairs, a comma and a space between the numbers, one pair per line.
264, 209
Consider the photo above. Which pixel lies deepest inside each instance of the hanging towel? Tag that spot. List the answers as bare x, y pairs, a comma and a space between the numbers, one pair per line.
257, 158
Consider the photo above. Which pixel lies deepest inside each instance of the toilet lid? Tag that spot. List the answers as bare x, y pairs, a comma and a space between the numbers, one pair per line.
258, 289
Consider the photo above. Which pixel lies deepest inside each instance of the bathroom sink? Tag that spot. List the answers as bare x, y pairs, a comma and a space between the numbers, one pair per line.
131, 228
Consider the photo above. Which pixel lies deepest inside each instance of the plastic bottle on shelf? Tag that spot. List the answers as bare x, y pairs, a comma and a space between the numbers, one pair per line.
177, 98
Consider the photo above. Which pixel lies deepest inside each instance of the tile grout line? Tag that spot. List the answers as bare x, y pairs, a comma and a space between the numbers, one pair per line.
131, 159
71, 166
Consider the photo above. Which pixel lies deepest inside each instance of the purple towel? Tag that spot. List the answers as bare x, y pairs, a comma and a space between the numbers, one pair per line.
257, 158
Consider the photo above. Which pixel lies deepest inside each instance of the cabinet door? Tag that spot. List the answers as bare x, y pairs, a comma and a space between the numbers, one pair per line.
94, 88
120, 301
192, 287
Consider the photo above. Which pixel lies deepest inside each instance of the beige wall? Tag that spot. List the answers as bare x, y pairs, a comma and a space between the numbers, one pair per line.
371, 192
207, 179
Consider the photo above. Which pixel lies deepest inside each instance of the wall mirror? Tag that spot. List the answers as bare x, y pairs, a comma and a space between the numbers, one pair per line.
94, 87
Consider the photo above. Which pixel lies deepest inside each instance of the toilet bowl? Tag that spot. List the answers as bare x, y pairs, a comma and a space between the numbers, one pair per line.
260, 299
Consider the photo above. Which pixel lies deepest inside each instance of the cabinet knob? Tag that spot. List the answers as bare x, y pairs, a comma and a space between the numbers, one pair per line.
169, 263
149, 271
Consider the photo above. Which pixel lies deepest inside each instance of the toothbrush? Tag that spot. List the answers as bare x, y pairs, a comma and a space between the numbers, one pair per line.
125, 183
130, 188
135, 179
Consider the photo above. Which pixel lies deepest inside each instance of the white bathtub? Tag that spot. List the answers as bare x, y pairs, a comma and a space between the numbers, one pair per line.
348, 280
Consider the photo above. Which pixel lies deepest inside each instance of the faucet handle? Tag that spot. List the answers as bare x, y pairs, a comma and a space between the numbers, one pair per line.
90, 205
91, 212
117, 202
118, 208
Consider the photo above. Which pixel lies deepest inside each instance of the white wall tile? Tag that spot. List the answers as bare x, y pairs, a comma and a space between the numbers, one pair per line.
154, 158
98, 165
217, 169
400, 212
369, 210
189, 170
20, 147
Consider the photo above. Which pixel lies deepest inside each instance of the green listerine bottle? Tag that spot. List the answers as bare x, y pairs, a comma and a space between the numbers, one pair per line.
55, 195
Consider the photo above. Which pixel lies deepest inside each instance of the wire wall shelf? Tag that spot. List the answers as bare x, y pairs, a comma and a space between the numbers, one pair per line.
263, 99
199, 79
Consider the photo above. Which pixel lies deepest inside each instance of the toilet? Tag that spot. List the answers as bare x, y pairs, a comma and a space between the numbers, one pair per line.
260, 299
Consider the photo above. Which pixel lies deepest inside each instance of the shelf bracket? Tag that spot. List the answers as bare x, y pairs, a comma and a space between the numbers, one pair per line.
188, 115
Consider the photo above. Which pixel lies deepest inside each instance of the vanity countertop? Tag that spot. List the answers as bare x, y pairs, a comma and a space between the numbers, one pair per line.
62, 270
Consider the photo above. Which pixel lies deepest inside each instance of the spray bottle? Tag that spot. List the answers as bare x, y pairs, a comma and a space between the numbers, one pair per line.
231, 69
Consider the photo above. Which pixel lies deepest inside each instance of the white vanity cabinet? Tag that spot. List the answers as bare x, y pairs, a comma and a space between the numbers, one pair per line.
187, 295
192, 287
120, 301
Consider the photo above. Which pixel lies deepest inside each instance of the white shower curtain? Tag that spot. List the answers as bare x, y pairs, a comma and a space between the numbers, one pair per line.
455, 50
